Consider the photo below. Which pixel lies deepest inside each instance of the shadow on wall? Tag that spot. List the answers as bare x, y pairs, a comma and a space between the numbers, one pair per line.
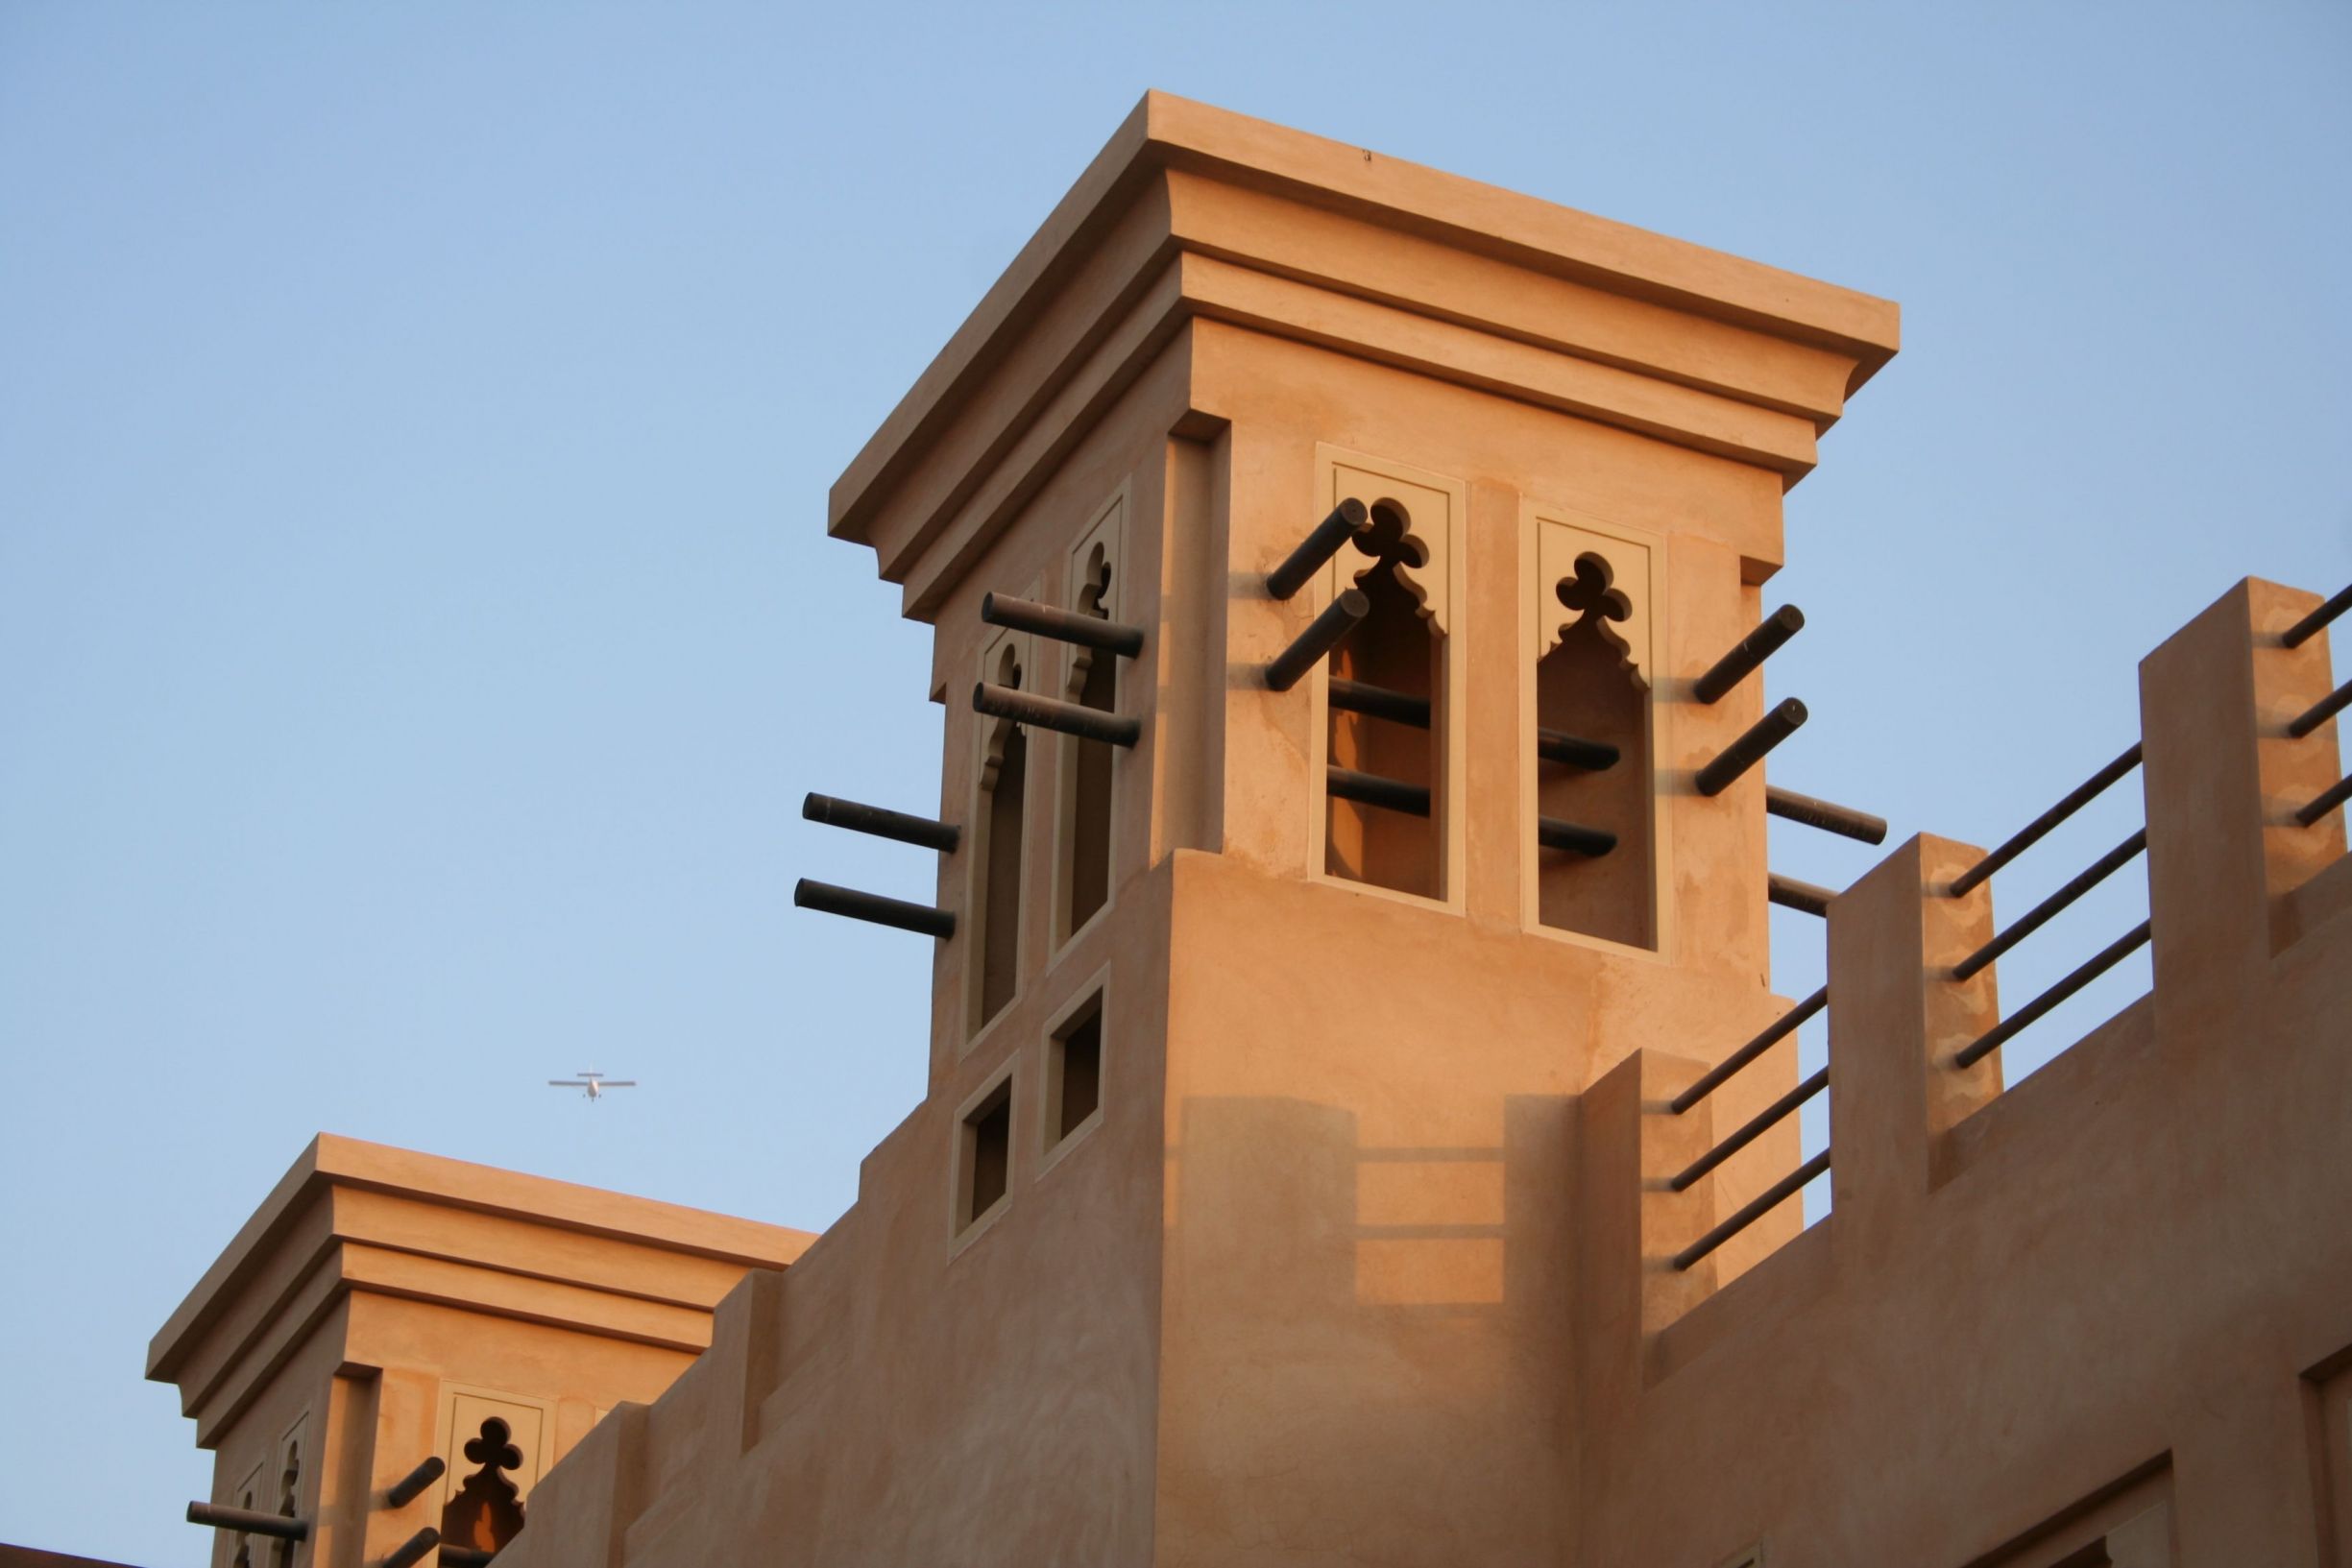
1362, 1320
1281, 1192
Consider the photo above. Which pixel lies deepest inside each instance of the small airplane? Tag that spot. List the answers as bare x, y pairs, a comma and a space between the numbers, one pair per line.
594, 1081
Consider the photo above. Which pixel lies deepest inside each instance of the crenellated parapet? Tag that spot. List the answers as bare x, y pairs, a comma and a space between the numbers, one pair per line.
2135, 1234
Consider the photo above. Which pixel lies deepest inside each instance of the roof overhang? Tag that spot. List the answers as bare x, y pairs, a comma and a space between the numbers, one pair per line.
352, 1217
1196, 212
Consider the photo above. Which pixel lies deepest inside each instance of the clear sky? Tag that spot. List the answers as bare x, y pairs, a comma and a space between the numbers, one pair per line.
416, 626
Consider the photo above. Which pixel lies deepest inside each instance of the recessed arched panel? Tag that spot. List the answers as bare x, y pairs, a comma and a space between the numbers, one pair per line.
1083, 835
1587, 748
1000, 809
1388, 737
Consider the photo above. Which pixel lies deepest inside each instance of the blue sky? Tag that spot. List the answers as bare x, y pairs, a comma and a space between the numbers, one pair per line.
418, 625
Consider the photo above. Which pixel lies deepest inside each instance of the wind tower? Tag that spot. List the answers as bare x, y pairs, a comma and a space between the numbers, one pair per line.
1346, 585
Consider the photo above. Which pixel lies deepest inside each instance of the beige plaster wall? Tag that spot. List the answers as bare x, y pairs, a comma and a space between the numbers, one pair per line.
2131, 1265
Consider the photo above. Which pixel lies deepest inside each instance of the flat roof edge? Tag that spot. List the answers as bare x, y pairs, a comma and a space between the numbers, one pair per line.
1164, 130
330, 1160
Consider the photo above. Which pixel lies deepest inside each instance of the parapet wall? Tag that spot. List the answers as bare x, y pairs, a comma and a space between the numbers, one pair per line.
2035, 1316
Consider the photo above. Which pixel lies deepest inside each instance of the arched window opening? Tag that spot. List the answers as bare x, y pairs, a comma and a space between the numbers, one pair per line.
1588, 688
243, 1557
1396, 653
486, 1512
1094, 682
289, 1491
1004, 784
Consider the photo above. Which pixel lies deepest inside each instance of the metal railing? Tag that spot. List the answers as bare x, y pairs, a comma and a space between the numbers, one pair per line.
2321, 711
1754, 1127
2032, 833
1769, 1199
2042, 914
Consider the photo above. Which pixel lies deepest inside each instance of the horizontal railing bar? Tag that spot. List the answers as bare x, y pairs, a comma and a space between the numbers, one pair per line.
276, 1526
1575, 837
1806, 898
1052, 714
2326, 801
1404, 707
1379, 702
1775, 1031
1762, 1122
1769, 1199
2026, 837
1344, 522
1827, 815
1592, 756
828, 898
453, 1556
2302, 631
882, 822
1325, 632
1061, 625
1751, 747
1371, 790
1749, 653
2035, 918
2321, 711
2008, 1029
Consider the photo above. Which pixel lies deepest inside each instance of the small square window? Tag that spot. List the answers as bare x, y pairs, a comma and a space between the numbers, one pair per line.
1074, 1072
984, 1155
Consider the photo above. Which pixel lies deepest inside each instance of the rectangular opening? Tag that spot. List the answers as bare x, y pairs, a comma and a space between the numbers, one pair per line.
1074, 1073
985, 1157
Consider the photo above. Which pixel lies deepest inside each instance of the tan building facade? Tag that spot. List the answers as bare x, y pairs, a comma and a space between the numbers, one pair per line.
1343, 1142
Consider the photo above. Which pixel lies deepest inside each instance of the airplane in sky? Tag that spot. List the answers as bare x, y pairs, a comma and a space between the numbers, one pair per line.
594, 1081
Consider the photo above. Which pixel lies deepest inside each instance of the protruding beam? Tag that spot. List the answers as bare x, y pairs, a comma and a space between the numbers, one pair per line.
1052, 714
1346, 521
1061, 625
1827, 815
2321, 711
1806, 898
1750, 749
276, 1526
412, 1551
1575, 837
1371, 790
2304, 630
410, 1486
453, 1556
1749, 653
882, 822
827, 898
1325, 633
2326, 801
